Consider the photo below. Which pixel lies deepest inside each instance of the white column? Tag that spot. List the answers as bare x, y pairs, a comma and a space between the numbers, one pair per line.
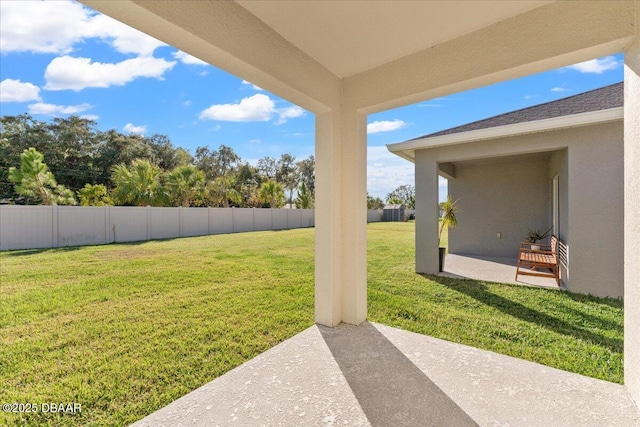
632, 214
341, 218
426, 213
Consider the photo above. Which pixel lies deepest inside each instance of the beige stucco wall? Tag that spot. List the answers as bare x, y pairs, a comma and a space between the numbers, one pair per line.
596, 200
507, 197
591, 219
632, 213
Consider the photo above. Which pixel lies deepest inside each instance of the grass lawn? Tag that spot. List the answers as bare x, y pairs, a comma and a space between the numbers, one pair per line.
125, 329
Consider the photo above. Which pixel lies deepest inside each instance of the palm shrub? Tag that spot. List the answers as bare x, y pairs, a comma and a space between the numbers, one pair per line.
185, 184
272, 192
139, 184
34, 179
221, 191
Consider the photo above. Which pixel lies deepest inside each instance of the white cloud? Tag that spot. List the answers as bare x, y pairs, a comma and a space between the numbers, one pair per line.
187, 59
530, 96
559, 89
76, 74
256, 108
254, 141
129, 127
54, 110
17, 91
258, 88
386, 172
121, 37
90, 116
597, 66
42, 27
289, 113
385, 126
186, 103
55, 27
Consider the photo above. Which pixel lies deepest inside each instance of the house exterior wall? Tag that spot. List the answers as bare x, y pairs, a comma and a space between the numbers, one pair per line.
507, 197
596, 201
592, 222
427, 211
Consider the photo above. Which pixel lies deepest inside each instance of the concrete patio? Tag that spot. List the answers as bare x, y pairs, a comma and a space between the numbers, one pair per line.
491, 269
375, 375
343, 71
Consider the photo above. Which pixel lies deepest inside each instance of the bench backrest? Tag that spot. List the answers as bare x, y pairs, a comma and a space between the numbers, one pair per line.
554, 245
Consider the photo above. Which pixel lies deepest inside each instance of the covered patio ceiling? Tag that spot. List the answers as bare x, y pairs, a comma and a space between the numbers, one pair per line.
307, 51
386, 30
344, 60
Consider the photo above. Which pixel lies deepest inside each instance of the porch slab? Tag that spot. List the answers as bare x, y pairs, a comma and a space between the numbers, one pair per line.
491, 269
375, 375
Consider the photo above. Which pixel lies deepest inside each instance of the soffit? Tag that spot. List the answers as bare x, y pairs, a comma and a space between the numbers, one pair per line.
349, 37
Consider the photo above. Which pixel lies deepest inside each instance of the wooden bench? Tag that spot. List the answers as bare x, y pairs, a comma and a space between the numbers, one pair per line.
535, 261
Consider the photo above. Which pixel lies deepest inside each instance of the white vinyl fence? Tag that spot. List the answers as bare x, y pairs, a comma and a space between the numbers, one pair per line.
27, 227
30, 227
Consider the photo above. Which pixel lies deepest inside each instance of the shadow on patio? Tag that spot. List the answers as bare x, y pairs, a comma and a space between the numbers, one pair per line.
375, 375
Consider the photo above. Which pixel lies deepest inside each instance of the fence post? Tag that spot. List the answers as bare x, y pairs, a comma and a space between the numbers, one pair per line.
208, 220
233, 220
107, 232
253, 215
180, 221
148, 222
54, 228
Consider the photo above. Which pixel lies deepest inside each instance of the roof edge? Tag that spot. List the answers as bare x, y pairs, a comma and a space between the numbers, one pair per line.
407, 149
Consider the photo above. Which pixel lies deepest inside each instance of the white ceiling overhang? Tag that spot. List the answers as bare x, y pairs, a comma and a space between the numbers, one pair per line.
350, 37
374, 55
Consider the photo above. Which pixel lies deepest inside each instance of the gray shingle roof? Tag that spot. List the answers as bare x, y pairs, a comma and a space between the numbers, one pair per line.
594, 100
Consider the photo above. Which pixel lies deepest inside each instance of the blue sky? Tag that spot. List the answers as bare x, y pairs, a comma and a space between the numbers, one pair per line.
61, 58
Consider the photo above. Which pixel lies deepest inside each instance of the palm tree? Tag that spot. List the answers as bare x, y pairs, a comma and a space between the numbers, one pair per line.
185, 184
272, 192
305, 198
449, 208
34, 179
222, 192
140, 184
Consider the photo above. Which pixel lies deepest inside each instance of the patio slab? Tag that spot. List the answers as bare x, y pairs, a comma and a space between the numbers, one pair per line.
375, 375
491, 269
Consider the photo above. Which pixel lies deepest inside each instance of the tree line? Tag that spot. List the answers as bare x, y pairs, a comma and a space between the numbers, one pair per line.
70, 161
402, 195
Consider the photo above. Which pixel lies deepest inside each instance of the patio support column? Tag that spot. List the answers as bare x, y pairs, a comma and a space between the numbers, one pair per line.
426, 213
632, 213
341, 218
